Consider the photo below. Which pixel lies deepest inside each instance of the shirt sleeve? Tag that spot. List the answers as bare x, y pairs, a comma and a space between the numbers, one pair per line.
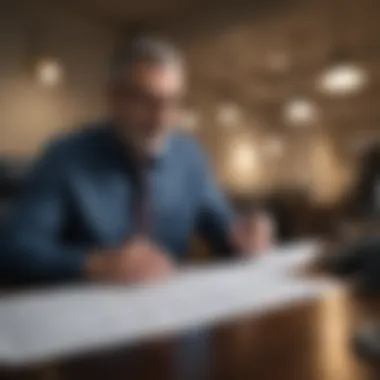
215, 216
32, 249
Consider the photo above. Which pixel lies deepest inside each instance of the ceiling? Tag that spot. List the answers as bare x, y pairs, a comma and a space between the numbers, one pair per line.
261, 54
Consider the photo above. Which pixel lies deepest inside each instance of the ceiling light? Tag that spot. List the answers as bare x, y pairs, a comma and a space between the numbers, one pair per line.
244, 157
279, 61
343, 79
274, 147
49, 72
228, 114
300, 111
190, 120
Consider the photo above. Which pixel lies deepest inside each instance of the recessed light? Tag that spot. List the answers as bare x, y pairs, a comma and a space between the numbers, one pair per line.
278, 61
244, 157
300, 111
189, 120
274, 147
228, 114
343, 79
49, 72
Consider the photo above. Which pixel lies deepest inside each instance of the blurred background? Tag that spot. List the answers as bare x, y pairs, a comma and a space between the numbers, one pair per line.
283, 93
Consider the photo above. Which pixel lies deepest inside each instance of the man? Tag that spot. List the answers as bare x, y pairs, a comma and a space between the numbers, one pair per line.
120, 200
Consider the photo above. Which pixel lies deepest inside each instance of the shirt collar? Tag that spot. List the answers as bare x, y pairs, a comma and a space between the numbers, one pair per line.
125, 154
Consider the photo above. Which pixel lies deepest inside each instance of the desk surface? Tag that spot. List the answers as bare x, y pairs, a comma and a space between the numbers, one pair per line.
309, 341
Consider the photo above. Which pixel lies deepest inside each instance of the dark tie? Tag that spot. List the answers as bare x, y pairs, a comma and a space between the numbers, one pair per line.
143, 210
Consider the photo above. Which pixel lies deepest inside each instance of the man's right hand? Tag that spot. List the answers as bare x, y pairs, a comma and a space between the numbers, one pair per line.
135, 262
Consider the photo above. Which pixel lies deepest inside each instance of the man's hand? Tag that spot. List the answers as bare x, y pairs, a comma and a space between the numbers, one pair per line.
254, 234
137, 261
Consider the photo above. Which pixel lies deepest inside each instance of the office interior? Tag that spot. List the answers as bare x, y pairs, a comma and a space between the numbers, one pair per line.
282, 94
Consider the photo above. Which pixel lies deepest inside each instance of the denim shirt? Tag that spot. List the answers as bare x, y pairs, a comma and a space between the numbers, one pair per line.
81, 195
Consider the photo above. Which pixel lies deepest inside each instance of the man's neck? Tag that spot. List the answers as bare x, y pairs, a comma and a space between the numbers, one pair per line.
139, 155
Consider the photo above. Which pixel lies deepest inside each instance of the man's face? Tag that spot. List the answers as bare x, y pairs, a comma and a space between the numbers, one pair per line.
148, 105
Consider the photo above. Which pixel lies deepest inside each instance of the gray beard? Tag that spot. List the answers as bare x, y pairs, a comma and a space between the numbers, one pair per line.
148, 148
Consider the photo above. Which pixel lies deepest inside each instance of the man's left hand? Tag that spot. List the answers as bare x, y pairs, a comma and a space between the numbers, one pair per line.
254, 234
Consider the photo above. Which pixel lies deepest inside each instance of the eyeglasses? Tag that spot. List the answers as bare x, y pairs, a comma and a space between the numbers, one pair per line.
149, 100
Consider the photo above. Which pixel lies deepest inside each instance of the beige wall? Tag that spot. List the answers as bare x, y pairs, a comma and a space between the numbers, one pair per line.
29, 112
311, 160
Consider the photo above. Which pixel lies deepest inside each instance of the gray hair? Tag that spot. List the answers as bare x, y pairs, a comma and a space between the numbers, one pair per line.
151, 50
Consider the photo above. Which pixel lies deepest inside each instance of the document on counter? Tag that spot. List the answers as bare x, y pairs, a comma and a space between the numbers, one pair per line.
290, 257
59, 323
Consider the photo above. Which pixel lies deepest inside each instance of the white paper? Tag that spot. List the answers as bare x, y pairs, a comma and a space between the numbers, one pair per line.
63, 322
288, 258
